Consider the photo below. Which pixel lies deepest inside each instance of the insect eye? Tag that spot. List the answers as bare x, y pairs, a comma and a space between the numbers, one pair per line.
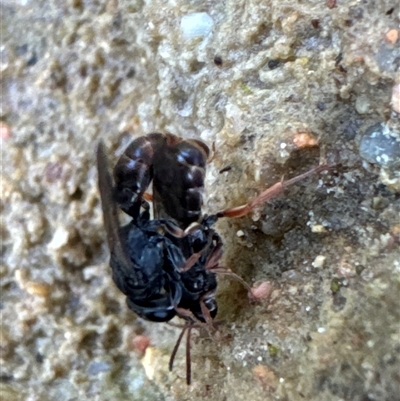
191, 156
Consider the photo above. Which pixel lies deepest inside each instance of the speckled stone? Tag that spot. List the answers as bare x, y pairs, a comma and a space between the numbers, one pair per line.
380, 145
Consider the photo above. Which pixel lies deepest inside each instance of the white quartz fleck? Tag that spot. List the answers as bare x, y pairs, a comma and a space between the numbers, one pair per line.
196, 25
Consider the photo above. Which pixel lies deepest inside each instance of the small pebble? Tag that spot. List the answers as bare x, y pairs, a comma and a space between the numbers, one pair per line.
362, 104
318, 228
392, 36
60, 238
272, 64
273, 350
196, 25
5, 130
331, 3
339, 302
218, 61
240, 233
395, 230
396, 98
266, 377
346, 270
150, 361
315, 23
319, 261
96, 367
380, 145
261, 291
304, 140
31, 287
38, 289
140, 343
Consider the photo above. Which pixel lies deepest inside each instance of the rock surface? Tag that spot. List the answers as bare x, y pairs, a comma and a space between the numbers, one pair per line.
253, 78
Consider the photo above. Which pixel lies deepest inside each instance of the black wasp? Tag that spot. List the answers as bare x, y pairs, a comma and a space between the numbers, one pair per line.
167, 266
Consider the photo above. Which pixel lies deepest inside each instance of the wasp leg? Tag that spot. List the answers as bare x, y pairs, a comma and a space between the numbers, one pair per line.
213, 266
212, 259
268, 194
189, 316
215, 256
188, 359
213, 153
216, 323
190, 262
176, 231
177, 325
186, 329
194, 321
206, 313
176, 346
148, 197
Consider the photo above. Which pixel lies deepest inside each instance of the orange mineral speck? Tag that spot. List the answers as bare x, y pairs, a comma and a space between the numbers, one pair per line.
5, 130
261, 291
140, 343
38, 289
392, 36
331, 3
266, 377
305, 140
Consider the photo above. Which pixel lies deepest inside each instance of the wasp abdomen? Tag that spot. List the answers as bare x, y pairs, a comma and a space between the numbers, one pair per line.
179, 173
134, 172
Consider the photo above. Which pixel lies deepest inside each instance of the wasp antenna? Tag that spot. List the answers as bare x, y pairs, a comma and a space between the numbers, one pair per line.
268, 194
230, 273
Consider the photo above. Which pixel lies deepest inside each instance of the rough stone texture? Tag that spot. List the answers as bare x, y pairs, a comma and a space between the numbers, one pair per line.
77, 71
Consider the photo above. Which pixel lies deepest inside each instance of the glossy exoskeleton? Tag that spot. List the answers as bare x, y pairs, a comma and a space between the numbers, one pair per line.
138, 255
167, 266
177, 168
183, 275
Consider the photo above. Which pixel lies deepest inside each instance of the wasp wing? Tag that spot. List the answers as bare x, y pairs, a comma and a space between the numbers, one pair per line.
110, 213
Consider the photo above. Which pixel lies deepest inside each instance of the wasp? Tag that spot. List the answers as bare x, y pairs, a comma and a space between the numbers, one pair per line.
167, 265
